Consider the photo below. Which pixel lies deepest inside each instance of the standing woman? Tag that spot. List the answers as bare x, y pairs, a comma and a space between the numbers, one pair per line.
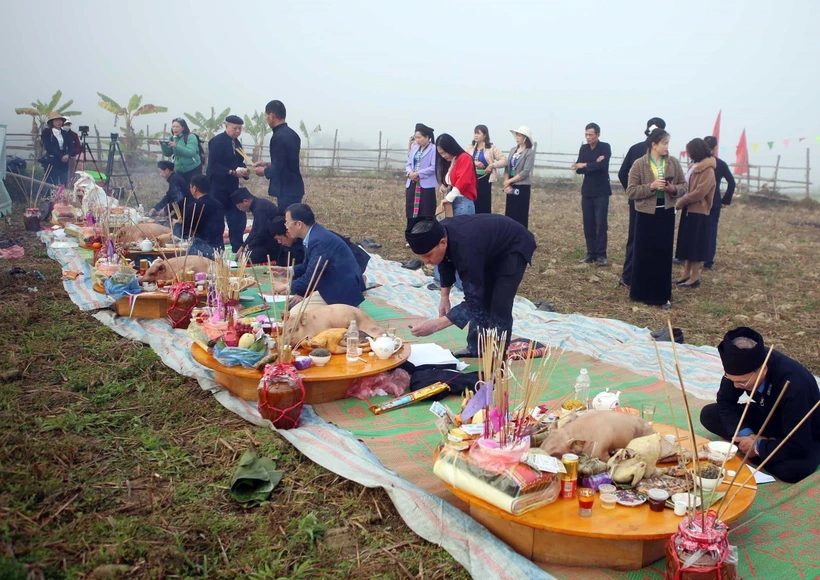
693, 233
655, 182
185, 148
420, 188
517, 176
487, 158
58, 146
456, 173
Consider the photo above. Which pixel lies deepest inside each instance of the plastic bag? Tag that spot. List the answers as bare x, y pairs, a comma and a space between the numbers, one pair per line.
515, 490
232, 356
393, 383
117, 291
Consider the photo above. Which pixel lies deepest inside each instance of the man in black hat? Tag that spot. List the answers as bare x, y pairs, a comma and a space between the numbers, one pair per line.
260, 241
743, 354
490, 252
225, 167
286, 183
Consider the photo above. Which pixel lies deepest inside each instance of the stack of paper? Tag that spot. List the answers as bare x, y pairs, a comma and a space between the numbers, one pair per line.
433, 354
761, 477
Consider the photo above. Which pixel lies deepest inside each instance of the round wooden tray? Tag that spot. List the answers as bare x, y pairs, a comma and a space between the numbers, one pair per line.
322, 384
624, 538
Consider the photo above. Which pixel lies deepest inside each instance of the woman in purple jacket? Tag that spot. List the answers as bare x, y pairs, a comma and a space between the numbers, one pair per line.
421, 183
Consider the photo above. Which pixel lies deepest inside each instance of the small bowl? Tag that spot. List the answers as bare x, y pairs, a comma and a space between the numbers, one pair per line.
687, 498
608, 501
708, 484
607, 488
320, 361
723, 447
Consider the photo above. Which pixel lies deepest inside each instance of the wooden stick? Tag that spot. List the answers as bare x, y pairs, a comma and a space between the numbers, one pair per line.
669, 399
773, 453
688, 417
730, 483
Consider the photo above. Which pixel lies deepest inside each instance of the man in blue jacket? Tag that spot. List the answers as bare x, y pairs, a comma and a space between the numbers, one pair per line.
341, 282
286, 183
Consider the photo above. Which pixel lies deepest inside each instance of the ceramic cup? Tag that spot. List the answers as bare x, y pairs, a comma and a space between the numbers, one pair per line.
680, 508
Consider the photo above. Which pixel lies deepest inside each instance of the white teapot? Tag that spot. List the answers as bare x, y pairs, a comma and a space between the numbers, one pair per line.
384, 347
606, 401
146, 245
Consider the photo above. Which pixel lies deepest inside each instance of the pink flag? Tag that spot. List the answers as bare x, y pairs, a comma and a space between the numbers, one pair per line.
786, 142
716, 132
742, 163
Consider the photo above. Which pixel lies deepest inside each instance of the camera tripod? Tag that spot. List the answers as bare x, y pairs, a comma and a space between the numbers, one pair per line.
86, 151
113, 150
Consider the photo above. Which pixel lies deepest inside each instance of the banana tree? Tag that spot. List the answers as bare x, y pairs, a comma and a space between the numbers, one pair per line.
307, 135
207, 126
39, 112
256, 126
130, 141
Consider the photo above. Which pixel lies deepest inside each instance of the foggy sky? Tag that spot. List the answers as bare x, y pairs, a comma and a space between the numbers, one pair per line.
369, 66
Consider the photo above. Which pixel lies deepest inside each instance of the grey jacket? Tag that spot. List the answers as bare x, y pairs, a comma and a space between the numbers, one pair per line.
524, 168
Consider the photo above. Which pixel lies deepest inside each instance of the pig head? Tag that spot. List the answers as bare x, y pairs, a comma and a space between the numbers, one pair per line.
324, 318
167, 269
609, 430
139, 232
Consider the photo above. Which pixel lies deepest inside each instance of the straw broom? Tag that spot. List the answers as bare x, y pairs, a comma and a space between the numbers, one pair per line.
772, 454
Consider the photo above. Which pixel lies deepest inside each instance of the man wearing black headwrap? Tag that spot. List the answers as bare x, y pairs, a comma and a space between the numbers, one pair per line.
490, 252
225, 167
743, 353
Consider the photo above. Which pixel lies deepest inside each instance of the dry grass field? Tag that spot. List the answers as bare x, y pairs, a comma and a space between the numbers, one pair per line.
110, 463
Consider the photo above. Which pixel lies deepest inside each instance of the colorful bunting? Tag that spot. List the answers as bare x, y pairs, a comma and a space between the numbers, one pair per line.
786, 143
801, 139
755, 146
770, 144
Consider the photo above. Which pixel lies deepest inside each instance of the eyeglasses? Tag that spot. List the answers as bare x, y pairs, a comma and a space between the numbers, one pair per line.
291, 223
744, 384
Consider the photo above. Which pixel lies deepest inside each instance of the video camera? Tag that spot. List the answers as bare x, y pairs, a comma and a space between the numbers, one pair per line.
84, 130
114, 136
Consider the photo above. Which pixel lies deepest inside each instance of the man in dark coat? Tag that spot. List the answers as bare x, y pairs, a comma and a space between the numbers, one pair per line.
593, 164
289, 246
260, 241
205, 220
286, 183
743, 355
177, 188
635, 152
341, 282
225, 167
490, 252
721, 171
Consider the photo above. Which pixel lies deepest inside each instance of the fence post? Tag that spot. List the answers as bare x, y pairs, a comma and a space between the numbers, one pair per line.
808, 161
333, 156
147, 137
379, 158
776, 169
99, 143
758, 178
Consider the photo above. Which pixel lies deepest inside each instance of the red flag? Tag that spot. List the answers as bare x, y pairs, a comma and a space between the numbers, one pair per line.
742, 162
716, 132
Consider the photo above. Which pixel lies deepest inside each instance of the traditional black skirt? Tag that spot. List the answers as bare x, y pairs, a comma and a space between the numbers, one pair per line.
693, 237
652, 256
518, 205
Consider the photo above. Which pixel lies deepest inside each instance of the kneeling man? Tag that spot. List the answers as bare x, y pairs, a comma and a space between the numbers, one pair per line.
490, 252
341, 282
743, 354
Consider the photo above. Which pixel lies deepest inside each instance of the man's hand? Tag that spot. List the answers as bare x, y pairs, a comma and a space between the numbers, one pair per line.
575, 166
262, 164
600, 158
279, 288
260, 171
429, 327
444, 305
64, 158
279, 270
746, 445
294, 300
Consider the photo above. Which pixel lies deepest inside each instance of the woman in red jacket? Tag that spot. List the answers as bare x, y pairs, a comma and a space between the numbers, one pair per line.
455, 171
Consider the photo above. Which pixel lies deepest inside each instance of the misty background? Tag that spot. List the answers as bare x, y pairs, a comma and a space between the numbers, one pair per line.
371, 66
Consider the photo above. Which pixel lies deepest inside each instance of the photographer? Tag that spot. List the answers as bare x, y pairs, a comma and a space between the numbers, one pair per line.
58, 145
185, 148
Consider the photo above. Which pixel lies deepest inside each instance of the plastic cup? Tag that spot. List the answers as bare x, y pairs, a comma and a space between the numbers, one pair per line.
680, 508
608, 501
607, 488
648, 412
586, 497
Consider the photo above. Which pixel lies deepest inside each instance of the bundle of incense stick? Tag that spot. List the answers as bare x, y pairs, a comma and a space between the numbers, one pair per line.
244, 156
32, 199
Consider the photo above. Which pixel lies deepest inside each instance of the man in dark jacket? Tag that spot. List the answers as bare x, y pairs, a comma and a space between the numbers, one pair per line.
743, 355
721, 171
225, 167
260, 241
177, 188
593, 164
206, 220
635, 152
490, 252
341, 282
286, 183
293, 248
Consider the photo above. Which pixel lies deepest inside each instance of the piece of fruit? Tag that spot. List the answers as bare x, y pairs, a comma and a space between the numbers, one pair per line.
96, 245
246, 340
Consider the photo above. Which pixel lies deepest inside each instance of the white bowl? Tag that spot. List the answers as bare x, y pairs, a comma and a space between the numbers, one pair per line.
707, 484
723, 447
686, 498
320, 361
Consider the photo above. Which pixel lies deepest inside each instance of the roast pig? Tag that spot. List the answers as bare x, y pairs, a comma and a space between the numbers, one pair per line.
167, 269
610, 430
139, 232
311, 323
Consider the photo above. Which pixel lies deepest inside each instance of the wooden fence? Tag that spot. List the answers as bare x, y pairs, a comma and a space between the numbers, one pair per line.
384, 161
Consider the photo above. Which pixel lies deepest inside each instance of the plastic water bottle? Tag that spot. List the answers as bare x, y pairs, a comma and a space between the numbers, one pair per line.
352, 338
582, 385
